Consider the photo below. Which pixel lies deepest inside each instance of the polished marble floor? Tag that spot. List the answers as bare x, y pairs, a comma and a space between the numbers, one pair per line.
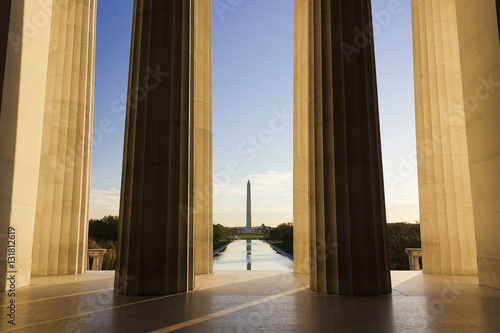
254, 301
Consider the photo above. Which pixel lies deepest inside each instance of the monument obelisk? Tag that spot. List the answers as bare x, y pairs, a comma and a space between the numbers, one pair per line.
249, 209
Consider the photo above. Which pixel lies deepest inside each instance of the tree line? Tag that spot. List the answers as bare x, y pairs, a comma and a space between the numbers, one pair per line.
103, 233
400, 236
283, 232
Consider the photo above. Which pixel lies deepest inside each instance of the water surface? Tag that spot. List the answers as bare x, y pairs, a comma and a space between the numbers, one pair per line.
251, 255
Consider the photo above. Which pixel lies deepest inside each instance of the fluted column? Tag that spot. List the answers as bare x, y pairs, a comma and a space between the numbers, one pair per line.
480, 64
302, 103
446, 217
337, 150
156, 224
5, 7
60, 237
203, 214
24, 52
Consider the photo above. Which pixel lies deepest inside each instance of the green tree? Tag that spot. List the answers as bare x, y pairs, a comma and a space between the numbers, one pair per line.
103, 234
220, 232
109, 262
283, 232
105, 229
93, 244
400, 237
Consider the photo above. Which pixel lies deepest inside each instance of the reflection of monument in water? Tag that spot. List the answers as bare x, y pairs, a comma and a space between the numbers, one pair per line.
249, 254
249, 209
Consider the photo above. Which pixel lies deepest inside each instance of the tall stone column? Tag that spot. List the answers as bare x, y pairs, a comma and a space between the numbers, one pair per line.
480, 63
60, 238
203, 214
24, 52
156, 213
446, 217
5, 7
340, 196
302, 103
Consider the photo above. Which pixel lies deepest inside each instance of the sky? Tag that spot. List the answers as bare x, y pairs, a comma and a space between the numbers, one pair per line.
252, 108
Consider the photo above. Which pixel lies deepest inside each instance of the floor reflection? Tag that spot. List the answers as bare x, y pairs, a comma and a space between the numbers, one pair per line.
254, 301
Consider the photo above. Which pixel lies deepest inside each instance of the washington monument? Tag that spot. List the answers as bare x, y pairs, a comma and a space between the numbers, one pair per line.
249, 208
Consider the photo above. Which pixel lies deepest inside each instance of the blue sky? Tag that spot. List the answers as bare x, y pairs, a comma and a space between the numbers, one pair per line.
252, 101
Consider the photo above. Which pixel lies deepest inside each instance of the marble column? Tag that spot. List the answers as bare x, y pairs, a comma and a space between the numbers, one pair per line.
5, 7
446, 217
203, 213
302, 103
480, 64
24, 39
155, 250
339, 194
60, 237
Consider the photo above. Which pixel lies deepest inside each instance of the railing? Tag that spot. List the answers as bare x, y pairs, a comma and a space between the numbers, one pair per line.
98, 257
283, 253
222, 247
414, 255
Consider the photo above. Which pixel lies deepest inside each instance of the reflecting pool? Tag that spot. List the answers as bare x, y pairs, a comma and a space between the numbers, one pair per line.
251, 255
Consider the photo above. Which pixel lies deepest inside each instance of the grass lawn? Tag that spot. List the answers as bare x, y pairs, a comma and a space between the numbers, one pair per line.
249, 236
288, 248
